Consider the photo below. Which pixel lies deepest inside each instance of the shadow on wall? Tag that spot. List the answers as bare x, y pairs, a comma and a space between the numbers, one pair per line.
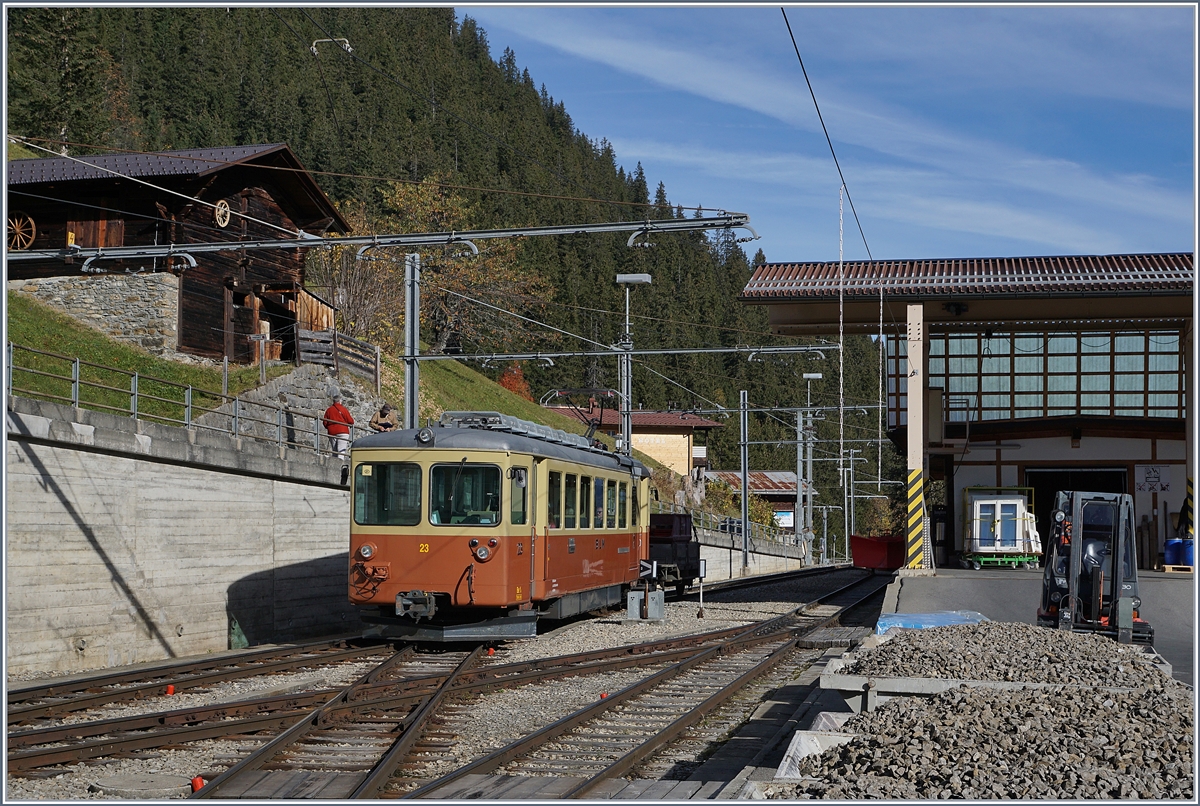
290, 603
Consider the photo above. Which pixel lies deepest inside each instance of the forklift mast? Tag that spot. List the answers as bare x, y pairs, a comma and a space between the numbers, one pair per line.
1090, 582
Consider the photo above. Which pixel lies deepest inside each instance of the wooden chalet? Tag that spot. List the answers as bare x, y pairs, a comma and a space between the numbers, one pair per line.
179, 197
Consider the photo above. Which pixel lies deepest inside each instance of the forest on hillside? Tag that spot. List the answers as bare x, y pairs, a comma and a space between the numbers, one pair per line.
420, 124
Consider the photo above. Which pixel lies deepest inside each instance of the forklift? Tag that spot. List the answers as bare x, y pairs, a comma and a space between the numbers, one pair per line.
1090, 582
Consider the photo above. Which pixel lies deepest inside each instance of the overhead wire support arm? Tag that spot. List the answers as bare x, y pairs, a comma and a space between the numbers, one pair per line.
542, 356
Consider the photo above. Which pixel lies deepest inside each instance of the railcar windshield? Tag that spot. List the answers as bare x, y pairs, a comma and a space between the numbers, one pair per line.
387, 494
464, 494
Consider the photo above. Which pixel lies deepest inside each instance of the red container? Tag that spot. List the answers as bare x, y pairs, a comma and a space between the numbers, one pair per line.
885, 552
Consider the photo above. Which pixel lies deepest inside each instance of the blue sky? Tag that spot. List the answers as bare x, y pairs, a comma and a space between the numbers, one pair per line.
961, 132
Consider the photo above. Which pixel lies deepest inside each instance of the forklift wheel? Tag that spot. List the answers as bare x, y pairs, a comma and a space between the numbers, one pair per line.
975, 565
965, 564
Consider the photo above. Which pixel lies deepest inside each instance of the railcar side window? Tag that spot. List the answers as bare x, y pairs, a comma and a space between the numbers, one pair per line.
555, 496
635, 504
387, 494
464, 494
585, 501
622, 505
598, 510
611, 508
518, 492
569, 503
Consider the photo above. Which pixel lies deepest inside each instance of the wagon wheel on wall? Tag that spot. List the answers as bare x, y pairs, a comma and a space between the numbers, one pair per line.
21, 231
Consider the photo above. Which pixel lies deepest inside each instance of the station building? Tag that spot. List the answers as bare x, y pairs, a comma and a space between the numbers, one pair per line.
1039, 373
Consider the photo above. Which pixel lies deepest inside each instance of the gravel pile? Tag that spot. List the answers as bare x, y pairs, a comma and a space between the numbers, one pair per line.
1005, 651
979, 743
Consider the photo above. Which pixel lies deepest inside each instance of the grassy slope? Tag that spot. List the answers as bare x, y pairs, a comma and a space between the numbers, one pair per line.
445, 385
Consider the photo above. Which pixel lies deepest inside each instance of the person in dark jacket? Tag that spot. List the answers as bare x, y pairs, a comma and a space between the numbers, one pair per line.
337, 422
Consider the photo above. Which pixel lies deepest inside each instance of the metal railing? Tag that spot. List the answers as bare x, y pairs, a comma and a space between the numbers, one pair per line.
83, 384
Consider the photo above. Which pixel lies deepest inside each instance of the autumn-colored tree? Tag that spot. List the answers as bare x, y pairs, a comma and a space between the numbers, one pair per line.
461, 292
513, 379
367, 293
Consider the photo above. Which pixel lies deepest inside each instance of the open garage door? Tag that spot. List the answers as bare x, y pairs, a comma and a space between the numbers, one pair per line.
1047, 481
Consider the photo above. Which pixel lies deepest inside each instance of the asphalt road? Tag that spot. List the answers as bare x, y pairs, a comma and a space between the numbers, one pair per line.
1005, 594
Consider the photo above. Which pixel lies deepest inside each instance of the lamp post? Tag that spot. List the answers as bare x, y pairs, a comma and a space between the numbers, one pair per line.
625, 365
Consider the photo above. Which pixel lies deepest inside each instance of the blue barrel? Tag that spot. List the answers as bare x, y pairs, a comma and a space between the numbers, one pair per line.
1173, 550
1189, 553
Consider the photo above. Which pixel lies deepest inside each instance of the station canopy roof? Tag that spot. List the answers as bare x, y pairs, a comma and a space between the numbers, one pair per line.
1058, 292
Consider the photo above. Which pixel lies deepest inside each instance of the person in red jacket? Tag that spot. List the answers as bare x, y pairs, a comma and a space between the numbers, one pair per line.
337, 422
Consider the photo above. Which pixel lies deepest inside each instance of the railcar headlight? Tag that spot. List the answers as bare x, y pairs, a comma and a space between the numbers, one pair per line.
1137, 603
1059, 516
1054, 597
483, 552
425, 436
493, 542
473, 543
367, 551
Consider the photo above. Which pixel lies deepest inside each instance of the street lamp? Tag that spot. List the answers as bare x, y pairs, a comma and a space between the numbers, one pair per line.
625, 365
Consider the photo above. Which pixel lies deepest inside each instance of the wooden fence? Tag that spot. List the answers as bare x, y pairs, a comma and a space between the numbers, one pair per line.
337, 350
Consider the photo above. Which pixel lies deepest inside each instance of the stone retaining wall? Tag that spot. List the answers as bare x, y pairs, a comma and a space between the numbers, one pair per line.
141, 309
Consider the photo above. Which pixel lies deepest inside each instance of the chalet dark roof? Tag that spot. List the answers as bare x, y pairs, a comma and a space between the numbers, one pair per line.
642, 419
188, 162
1069, 275
191, 162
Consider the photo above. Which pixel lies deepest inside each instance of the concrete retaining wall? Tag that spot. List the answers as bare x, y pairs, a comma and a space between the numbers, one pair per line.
130, 542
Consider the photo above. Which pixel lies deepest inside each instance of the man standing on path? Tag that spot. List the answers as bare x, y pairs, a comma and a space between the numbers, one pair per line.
337, 422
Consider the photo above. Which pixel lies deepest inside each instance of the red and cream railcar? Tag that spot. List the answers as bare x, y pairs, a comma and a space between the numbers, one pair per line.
472, 529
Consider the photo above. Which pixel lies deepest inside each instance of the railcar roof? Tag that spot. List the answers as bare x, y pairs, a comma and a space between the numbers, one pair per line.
479, 439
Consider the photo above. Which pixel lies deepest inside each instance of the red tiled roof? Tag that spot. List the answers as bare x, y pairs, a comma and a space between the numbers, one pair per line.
1074, 275
642, 418
768, 482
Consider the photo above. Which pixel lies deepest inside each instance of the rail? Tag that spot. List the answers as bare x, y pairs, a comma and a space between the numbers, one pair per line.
337, 350
85, 385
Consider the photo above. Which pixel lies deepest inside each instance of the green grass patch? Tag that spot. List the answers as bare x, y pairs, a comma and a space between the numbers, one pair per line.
46, 343
107, 367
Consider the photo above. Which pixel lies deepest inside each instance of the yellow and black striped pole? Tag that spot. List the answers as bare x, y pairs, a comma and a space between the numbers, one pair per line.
915, 545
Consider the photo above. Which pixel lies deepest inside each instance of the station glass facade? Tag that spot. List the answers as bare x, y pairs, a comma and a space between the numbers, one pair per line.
1008, 376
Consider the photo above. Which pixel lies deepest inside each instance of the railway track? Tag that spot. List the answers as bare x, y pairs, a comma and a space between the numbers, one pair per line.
392, 682
33, 703
366, 743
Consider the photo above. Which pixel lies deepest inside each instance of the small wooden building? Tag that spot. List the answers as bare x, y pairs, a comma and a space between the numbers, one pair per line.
198, 195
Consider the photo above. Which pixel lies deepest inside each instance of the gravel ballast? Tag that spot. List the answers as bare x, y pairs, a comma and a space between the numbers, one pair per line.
1081, 740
